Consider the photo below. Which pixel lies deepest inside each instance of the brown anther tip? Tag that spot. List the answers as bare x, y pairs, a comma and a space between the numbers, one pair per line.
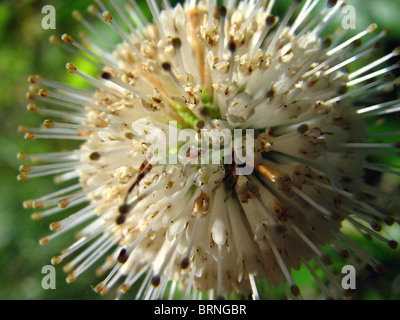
389, 221
29, 136
55, 226
372, 27
36, 216
123, 256
120, 219
107, 17
27, 204
37, 204
67, 38
376, 226
176, 43
56, 260
49, 124
222, 11
378, 46
70, 278
54, 39
70, 67
106, 76
63, 203
22, 177
220, 297
232, 47
392, 244
184, 263
270, 21
388, 77
44, 93
294, 289
25, 168
326, 260
94, 156
302, 129
22, 156
76, 15
347, 294
344, 254
31, 107
123, 209
343, 89
32, 79
332, 3
99, 288
30, 96
166, 66
92, 9
22, 129
155, 280
356, 43
43, 241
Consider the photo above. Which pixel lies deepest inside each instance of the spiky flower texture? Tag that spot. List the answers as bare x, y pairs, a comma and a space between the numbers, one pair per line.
202, 228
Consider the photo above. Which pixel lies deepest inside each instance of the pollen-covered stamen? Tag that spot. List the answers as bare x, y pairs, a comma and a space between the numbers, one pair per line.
96, 83
125, 19
78, 17
59, 86
69, 101
109, 19
109, 77
303, 14
371, 28
358, 90
270, 22
69, 40
166, 66
104, 245
177, 44
334, 57
313, 21
293, 287
332, 14
167, 261
373, 75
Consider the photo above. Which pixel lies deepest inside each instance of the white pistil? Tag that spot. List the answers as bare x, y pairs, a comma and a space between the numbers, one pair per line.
155, 13
373, 75
282, 26
372, 65
371, 28
304, 13
319, 29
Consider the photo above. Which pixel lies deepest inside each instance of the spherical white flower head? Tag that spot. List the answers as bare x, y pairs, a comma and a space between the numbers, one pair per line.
221, 145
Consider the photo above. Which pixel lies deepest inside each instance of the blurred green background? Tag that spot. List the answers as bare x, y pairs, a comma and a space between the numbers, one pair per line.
25, 50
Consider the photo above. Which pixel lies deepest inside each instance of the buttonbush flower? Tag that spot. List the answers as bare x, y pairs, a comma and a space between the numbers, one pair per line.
201, 228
